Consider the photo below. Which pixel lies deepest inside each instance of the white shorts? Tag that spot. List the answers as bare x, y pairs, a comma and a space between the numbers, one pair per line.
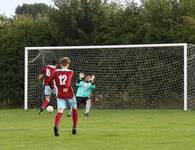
62, 103
47, 90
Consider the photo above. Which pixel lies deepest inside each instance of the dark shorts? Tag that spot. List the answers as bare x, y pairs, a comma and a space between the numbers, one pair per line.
81, 100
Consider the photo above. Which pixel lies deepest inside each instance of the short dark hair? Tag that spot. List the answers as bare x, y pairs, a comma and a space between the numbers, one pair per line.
88, 74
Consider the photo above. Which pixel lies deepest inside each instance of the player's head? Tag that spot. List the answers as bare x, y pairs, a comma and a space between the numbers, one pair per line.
87, 77
65, 62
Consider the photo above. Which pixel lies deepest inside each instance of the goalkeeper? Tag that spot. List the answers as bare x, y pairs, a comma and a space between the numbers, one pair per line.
85, 87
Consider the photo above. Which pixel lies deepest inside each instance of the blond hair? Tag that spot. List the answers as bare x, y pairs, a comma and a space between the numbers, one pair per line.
65, 61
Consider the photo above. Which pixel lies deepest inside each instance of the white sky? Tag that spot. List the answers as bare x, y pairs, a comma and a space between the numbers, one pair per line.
7, 7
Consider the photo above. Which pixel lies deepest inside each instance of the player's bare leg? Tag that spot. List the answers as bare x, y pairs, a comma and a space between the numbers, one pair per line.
87, 109
70, 112
74, 119
57, 121
45, 104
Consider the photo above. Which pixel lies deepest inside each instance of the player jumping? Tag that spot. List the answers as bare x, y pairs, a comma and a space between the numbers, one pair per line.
65, 94
46, 72
85, 87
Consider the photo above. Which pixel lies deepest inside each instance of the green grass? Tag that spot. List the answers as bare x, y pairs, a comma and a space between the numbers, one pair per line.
104, 130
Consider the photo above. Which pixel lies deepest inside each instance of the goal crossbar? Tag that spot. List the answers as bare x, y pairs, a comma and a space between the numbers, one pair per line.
104, 46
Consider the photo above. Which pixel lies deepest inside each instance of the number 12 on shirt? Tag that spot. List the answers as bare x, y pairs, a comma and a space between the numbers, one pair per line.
62, 79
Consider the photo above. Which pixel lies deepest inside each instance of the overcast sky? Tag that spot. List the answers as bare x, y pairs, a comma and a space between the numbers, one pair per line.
7, 7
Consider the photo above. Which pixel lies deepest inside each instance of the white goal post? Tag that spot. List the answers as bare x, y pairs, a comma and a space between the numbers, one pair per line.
119, 53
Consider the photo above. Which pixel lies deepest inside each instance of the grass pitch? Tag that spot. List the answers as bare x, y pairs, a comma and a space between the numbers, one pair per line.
104, 130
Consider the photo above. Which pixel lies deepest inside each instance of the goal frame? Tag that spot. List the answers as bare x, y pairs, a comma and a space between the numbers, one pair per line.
185, 51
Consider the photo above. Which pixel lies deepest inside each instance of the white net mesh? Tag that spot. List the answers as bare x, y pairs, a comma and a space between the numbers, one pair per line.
144, 77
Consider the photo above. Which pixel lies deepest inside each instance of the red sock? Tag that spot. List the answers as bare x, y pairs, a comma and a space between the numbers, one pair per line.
74, 117
57, 119
45, 104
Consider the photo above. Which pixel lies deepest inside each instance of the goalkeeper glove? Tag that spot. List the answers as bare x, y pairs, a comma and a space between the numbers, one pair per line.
81, 75
92, 78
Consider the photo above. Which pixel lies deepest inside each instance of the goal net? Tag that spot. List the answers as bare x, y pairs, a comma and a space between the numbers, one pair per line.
127, 76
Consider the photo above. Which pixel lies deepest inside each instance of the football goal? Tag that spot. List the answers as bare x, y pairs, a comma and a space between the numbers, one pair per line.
127, 76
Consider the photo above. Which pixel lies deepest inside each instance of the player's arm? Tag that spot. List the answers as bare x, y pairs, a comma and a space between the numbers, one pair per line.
92, 81
92, 78
42, 74
81, 77
51, 78
92, 86
69, 79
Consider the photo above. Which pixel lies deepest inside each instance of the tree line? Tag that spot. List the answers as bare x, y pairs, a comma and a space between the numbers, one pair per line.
86, 22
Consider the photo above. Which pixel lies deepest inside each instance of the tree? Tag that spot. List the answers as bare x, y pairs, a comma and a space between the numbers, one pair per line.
93, 22
14, 36
33, 10
77, 22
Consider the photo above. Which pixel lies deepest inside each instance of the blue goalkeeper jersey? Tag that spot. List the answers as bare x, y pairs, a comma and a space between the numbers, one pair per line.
85, 89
